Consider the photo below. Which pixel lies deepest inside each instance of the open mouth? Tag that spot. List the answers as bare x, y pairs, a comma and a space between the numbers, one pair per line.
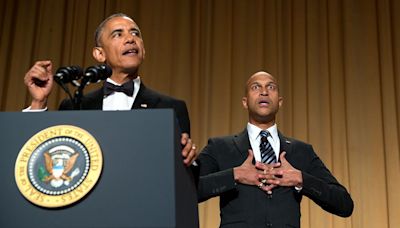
264, 102
132, 51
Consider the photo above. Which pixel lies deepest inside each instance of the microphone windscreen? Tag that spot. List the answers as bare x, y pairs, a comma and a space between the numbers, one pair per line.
68, 74
98, 73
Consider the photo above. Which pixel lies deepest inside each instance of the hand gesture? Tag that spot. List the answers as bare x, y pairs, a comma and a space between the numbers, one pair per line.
39, 80
189, 151
286, 174
267, 174
247, 173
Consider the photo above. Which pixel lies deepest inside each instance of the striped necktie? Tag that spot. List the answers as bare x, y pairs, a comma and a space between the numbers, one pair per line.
267, 153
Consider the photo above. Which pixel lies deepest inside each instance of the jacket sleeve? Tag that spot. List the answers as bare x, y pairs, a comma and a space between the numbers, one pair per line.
212, 180
182, 115
322, 187
66, 104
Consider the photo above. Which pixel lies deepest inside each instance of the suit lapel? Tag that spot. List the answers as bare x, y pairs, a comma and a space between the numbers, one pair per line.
145, 98
93, 100
286, 144
242, 143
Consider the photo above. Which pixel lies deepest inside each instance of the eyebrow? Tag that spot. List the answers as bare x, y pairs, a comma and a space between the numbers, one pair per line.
254, 83
259, 83
120, 30
116, 30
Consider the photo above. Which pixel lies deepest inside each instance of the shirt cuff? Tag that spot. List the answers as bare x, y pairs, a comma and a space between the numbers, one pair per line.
298, 189
28, 109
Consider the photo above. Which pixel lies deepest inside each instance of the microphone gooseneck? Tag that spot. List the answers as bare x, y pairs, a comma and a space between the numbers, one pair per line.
72, 74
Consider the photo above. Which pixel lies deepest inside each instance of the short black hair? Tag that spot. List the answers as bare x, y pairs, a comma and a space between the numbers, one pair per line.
99, 28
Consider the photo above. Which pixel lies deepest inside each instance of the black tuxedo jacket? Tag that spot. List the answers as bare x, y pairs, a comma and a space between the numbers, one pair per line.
244, 206
146, 98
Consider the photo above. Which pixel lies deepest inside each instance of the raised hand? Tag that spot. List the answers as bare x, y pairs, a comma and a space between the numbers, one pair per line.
39, 80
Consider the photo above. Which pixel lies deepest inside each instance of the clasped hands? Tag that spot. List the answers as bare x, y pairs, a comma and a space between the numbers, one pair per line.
268, 176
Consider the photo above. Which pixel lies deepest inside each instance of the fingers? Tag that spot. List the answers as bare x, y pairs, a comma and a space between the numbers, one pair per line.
184, 138
191, 157
268, 188
187, 143
267, 176
267, 170
250, 156
189, 151
39, 80
282, 156
262, 166
44, 68
263, 185
39, 74
43, 63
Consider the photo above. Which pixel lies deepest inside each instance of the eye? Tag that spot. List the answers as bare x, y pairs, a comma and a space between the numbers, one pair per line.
116, 34
135, 33
271, 87
255, 87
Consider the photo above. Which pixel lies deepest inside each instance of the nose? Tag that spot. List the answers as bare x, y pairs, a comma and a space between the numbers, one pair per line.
130, 39
264, 91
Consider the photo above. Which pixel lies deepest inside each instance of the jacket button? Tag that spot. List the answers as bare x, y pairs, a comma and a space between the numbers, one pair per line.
269, 224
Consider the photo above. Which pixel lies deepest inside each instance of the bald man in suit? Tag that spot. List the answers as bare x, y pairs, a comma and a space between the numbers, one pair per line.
262, 175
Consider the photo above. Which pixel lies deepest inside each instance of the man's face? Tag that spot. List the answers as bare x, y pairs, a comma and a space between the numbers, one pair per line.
262, 98
121, 45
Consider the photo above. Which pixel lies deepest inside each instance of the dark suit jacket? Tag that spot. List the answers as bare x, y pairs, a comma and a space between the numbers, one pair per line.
247, 206
146, 98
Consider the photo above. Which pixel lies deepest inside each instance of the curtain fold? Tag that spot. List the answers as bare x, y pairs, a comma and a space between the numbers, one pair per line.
337, 61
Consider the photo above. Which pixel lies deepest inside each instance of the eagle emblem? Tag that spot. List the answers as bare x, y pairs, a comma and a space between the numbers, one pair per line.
59, 162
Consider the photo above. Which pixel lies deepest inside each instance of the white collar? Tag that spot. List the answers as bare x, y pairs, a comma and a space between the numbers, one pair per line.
136, 81
254, 131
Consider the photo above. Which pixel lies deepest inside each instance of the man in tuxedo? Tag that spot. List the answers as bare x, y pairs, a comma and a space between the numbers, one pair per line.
261, 175
119, 44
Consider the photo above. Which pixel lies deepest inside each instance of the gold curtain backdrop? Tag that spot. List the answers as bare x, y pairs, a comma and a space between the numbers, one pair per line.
337, 61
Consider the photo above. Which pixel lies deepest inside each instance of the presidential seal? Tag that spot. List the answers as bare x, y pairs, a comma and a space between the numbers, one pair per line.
58, 166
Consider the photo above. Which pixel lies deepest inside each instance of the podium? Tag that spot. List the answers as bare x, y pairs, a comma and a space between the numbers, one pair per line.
143, 182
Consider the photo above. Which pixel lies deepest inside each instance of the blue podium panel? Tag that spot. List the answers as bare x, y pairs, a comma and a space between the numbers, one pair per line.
143, 183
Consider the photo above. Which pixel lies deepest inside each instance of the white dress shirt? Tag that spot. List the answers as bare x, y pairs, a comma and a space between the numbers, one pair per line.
273, 139
119, 100
255, 140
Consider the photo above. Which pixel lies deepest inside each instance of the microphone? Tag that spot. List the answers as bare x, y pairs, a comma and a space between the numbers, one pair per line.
71, 74
96, 73
92, 74
68, 74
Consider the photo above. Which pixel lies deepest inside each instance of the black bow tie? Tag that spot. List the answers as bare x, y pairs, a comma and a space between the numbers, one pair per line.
126, 88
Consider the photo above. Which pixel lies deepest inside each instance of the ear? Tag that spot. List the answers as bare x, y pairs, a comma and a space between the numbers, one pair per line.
99, 54
244, 102
280, 102
144, 53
